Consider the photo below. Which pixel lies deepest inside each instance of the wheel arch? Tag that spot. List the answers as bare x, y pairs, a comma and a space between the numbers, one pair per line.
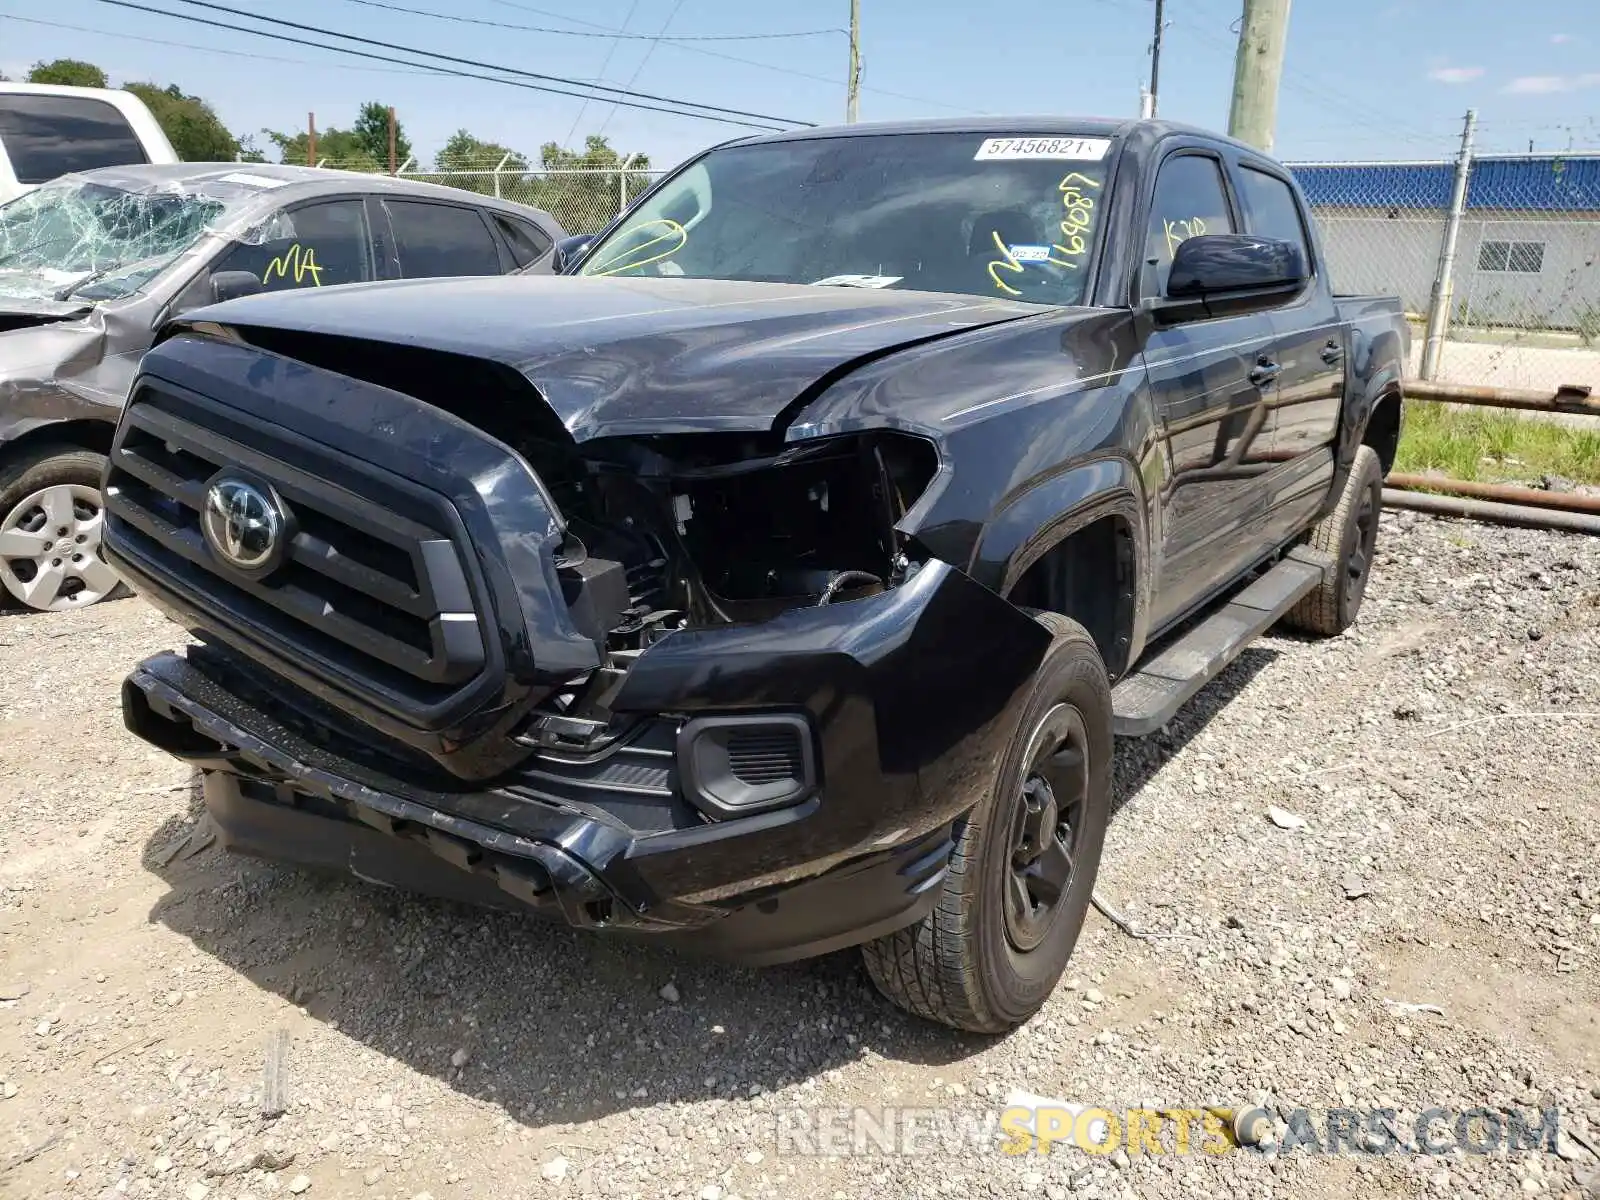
1382, 431
1035, 554
82, 434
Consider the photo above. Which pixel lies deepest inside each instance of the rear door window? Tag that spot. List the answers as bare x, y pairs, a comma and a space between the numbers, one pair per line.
46, 136
1272, 208
528, 242
316, 246
441, 239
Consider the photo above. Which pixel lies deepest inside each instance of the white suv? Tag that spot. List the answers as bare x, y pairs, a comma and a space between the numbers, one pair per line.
47, 131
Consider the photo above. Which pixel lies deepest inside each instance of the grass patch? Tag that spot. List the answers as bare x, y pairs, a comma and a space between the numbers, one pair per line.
1495, 446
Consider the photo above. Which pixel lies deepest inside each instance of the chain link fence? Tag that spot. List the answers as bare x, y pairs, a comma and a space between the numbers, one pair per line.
584, 200
1519, 305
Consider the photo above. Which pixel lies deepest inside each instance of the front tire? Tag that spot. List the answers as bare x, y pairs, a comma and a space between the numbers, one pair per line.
1350, 534
51, 519
1022, 874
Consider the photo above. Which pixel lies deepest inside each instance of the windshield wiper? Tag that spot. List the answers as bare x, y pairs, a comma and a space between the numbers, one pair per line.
65, 293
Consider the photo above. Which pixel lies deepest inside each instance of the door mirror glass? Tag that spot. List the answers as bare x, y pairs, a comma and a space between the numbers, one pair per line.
569, 250
230, 285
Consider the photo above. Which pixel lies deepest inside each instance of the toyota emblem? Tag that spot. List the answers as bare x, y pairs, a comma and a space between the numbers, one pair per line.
243, 524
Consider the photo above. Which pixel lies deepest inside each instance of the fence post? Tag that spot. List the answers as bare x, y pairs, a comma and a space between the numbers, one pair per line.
498, 167
622, 184
1443, 287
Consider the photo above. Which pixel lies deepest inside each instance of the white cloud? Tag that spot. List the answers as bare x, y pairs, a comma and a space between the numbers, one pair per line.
1455, 74
1560, 39
1545, 85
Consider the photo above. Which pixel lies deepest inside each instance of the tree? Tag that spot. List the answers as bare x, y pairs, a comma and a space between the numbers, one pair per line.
189, 122
583, 188
372, 131
249, 151
68, 72
469, 162
338, 147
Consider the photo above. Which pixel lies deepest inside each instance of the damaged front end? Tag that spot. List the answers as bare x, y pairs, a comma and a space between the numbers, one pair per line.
648, 682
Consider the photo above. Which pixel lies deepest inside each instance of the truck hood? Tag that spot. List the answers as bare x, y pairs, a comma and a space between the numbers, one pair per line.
634, 356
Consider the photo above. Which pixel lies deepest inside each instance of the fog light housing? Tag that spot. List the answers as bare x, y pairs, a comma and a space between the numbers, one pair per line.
735, 766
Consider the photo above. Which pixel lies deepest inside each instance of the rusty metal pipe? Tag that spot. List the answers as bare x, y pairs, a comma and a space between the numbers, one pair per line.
1566, 399
1485, 510
1505, 493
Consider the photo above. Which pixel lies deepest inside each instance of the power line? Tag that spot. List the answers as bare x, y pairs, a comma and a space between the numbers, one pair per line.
605, 65
674, 44
584, 33
1355, 111
651, 49
350, 37
303, 62
534, 87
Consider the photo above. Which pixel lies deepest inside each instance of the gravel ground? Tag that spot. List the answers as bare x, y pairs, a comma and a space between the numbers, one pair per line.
1441, 756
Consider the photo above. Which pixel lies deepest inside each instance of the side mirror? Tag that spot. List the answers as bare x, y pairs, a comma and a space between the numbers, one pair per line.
569, 250
230, 285
1235, 270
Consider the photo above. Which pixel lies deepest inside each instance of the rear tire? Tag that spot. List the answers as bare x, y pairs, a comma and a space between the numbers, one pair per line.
51, 518
998, 939
1350, 534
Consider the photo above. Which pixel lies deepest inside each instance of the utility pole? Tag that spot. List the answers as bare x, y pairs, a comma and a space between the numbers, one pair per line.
1263, 32
1443, 284
852, 101
1155, 63
391, 140
311, 139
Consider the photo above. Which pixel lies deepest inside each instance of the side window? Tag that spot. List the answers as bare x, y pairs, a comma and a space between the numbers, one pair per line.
441, 239
46, 136
528, 242
1190, 200
1272, 208
316, 246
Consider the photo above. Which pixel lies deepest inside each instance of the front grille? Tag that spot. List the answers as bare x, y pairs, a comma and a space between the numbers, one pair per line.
364, 591
762, 755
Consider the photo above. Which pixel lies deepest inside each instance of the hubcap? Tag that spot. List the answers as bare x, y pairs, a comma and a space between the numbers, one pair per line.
1048, 828
50, 549
1360, 561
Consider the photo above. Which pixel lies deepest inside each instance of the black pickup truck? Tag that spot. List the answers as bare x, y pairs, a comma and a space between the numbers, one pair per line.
775, 578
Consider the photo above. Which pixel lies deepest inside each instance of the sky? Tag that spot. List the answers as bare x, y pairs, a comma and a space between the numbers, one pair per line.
1363, 79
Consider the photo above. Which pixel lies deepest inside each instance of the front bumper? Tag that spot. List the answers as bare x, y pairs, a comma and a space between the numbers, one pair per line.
910, 694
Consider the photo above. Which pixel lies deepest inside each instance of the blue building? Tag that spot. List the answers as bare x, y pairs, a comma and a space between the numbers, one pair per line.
1528, 254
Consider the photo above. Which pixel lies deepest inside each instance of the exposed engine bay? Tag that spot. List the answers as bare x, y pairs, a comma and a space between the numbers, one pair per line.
707, 529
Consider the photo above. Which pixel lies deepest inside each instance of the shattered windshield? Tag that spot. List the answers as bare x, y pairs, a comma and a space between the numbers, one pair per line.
1002, 217
76, 239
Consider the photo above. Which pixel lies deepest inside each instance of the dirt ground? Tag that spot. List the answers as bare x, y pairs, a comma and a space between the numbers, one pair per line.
1436, 842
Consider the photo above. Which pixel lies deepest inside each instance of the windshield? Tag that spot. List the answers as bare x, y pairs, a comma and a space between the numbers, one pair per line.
95, 242
1004, 217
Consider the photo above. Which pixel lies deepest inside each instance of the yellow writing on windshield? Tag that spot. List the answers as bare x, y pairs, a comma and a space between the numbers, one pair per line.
297, 261
1006, 262
1181, 230
641, 254
1078, 209
1075, 233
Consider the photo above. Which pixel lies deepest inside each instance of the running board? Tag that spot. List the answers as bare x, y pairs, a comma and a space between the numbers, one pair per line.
1144, 701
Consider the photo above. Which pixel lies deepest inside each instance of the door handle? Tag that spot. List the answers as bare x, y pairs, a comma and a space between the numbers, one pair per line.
1332, 353
1264, 372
